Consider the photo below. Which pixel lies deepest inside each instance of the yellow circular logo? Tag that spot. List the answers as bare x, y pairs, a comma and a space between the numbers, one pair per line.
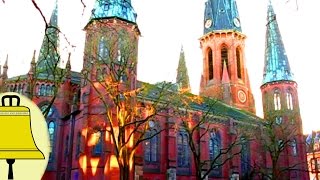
24, 138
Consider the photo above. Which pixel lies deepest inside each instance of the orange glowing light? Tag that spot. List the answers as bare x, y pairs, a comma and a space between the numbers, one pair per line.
113, 162
84, 132
93, 139
94, 164
83, 163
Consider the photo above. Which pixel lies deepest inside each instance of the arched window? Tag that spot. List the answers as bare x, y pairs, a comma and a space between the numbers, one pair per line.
53, 88
276, 100
19, 89
121, 49
183, 150
214, 151
97, 149
37, 89
42, 90
289, 101
245, 158
151, 148
224, 60
103, 50
210, 64
239, 63
294, 147
52, 129
48, 90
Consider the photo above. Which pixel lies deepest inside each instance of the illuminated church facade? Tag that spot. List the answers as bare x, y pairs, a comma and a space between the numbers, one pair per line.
224, 77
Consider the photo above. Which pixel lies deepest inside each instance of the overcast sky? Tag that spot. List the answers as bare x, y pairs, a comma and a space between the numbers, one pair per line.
166, 25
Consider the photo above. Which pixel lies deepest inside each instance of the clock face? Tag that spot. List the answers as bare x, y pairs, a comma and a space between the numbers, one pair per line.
242, 96
236, 22
208, 23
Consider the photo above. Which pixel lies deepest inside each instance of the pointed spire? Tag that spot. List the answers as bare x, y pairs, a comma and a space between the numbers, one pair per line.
33, 63
5, 66
48, 55
221, 15
68, 65
5, 69
225, 75
276, 65
182, 78
114, 8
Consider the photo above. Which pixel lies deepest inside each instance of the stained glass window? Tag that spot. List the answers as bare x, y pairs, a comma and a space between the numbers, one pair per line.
183, 149
151, 148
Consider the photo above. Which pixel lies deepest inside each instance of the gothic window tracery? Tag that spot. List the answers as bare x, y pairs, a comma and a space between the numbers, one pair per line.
210, 64
183, 151
52, 130
276, 100
245, 158
239, 63
151, 145
214, 150
289, 100
103, 50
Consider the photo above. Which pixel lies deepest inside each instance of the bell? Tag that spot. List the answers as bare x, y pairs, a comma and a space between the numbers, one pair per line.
16, 139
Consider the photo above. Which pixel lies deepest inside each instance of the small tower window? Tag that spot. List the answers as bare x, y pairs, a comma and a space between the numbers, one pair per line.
42, 90
294, 147
276, 100
51, 129
278, 120
210, 64
239, 63
289, 101
103, 50
224, 59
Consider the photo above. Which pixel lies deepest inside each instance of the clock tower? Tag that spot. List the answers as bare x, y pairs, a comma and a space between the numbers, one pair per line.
225, 75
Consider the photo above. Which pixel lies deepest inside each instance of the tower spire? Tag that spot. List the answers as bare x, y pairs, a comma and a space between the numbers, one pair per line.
5, 68
276, 65
221, 15
49, 55
182, 78
117, 8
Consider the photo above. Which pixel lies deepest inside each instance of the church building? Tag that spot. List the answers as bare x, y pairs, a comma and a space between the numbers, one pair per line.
79, 105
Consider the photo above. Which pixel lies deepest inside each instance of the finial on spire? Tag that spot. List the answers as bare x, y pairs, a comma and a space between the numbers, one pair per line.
68, 65
5, 66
